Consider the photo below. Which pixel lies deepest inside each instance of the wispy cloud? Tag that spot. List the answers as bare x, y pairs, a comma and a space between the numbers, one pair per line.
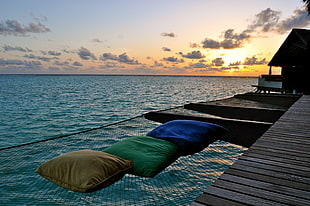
46, 59
61, 63
18, 66
52, 53
250, 61
254, 61
96, 40
166, 34
16, 62
199, 65
13, 27
17, 48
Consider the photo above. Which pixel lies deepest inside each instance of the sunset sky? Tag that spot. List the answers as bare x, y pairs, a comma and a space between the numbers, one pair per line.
155, 37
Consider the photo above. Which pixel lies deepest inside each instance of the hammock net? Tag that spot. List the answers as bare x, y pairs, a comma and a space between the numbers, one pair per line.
179, 184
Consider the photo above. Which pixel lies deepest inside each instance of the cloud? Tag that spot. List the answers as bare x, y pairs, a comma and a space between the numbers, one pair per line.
234, 40
218, 62
171, 34
194, 45
109, 65
13, 27
193, 55
237, 63
300, 19
265, 20
78, 64
268, 20
96, 40
58, 63
54, 68
199, 65
122, 58
46, 59
17, 48
231, 40
166, 49
157, 64
254, 61
173, 59
109, 56
52, 53
68, 51
16, 62
86, 54
210, 44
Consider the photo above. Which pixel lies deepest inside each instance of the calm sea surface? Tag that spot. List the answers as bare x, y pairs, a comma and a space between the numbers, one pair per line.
36, 107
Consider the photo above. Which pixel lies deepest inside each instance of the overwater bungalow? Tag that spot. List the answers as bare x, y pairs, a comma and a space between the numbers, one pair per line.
293, 57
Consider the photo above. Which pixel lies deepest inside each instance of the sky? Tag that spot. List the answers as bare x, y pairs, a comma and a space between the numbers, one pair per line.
145, 37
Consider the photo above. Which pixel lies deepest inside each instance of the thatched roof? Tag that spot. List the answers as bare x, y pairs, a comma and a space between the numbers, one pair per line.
294, 51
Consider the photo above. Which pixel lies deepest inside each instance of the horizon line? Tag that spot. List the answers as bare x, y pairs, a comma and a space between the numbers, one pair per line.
154, 75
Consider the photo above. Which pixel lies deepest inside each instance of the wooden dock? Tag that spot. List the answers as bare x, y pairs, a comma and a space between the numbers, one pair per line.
274, 171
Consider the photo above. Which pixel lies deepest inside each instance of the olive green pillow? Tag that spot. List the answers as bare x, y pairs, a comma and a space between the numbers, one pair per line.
84, 170
149, 155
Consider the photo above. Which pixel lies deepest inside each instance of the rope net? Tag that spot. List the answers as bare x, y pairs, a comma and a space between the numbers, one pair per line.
179, 184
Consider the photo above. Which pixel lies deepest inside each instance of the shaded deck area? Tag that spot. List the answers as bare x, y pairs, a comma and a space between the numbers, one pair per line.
246, 116
274, 171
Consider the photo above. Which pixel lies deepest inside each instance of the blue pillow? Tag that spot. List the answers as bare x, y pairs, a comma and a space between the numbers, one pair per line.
190, 136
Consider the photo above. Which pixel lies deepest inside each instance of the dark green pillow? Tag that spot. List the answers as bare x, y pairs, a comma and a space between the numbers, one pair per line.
149, 155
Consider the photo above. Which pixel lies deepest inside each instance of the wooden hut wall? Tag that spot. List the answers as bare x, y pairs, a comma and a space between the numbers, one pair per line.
296, 79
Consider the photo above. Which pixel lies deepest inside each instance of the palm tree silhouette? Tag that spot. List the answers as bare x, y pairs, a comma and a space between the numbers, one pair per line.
307, 3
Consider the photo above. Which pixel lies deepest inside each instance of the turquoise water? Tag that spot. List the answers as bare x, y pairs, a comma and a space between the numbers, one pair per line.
36, 107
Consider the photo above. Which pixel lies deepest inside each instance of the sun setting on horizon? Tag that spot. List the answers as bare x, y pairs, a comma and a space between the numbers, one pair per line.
135, 37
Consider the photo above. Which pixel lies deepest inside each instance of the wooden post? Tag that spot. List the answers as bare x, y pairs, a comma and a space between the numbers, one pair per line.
270, 70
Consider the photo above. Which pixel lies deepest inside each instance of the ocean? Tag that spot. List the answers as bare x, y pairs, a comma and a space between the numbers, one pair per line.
37, 107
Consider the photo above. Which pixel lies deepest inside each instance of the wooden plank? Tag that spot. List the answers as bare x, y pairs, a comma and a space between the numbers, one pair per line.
266, 186
288, 139
239, 197
283, 150
276, 157
281, 161
261, 193
254, 114
271, 152
269, 179
287, 131
272, 173
212, 200
280, 100
274, 168
283, 146
197, 204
